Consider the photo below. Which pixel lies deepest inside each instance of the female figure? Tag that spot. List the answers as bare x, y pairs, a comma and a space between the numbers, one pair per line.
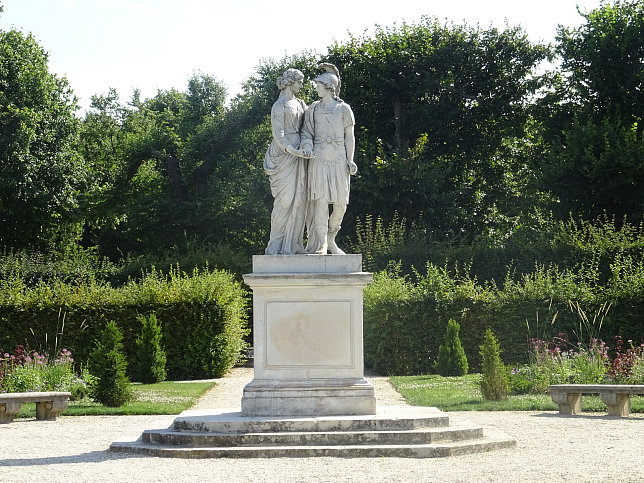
286, 168
328, 133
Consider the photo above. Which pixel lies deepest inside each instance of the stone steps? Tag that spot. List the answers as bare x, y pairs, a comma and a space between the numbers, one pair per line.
394, 431
196, 439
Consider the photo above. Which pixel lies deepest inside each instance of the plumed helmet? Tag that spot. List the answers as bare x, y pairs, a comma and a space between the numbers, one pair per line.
330, 78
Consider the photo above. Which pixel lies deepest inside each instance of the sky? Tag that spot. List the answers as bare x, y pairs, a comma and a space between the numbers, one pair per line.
160, 44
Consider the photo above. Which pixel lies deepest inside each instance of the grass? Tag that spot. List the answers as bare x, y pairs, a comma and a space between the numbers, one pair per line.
463, 394
161, 398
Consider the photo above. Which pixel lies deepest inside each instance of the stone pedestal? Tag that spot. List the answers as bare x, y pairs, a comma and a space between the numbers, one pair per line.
307, 332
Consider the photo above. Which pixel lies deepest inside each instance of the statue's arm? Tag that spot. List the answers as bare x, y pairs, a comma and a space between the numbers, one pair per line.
350, 146
350, 139
307, 133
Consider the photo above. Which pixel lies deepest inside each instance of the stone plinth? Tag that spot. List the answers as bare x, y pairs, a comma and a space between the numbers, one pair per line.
307, 330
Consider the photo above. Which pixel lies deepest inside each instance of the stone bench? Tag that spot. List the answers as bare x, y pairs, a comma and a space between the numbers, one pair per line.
49, 405
615, 396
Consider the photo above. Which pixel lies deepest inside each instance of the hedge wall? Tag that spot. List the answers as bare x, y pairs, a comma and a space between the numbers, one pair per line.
404, 321
203, 317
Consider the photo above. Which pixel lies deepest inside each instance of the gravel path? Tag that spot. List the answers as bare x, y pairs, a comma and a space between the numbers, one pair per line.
549, 448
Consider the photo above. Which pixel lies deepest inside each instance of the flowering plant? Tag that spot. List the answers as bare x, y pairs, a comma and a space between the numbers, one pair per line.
29, 371
559, 362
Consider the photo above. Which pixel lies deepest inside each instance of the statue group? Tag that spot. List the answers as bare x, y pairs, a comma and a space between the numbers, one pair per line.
309, 163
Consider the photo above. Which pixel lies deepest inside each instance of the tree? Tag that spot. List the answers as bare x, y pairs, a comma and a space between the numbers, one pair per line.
148, 156
181, 165
603, 62
594, 126
41, 174
442, 112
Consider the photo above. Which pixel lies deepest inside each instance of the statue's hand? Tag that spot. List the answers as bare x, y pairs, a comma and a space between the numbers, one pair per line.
353, 168
306, 153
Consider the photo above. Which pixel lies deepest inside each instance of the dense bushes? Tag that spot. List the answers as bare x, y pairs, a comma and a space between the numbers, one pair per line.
574, 245
203, 317
82, 265
404, 319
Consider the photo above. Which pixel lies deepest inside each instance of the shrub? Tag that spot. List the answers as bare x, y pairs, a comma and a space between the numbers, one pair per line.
107, 363
451, 359
150, 355
494, 380
208, 303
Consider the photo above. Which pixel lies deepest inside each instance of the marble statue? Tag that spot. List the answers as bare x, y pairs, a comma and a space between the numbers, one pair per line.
286, 168
327, 133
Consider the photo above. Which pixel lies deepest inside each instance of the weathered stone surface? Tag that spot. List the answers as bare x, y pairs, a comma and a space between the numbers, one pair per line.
307, 264
49, 405
401, 431
615, 396
307, 329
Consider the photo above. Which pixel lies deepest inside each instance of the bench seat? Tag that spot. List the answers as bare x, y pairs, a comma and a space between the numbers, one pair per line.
617, 397
49, 405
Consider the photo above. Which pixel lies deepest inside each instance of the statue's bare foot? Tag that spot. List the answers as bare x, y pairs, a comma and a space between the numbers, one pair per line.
334, 249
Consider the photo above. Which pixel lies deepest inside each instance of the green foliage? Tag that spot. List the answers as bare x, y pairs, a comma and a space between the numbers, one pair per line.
150, 355
594, 125
209, 303
595, 290
400, 315
27, 371
41, 173
107, 363
451, 360
438, 134
557, 361
603, 59
595, 249
73, 265
494, 381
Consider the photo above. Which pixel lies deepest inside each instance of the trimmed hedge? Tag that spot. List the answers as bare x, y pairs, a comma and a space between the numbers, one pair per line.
404, 321
203, 316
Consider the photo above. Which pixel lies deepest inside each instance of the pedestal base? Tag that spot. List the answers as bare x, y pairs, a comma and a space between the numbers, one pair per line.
309, 397
308, 337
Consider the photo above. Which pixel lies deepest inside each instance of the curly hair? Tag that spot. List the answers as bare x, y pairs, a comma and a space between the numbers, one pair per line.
289, 77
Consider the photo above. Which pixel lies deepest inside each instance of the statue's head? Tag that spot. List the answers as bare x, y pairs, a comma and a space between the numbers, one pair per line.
289, 77
329, 80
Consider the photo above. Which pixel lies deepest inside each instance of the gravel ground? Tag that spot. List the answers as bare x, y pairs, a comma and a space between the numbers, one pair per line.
549, 448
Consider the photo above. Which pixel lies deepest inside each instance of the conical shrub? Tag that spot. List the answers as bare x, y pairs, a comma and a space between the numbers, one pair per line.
107, 363
150, 355
494, 381
451, 360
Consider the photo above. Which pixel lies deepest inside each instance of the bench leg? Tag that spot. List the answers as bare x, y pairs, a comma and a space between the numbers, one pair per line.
618, 404
8, 411
50, 410
569, 403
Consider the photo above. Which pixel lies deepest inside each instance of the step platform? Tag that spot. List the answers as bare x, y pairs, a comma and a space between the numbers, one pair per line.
394, 431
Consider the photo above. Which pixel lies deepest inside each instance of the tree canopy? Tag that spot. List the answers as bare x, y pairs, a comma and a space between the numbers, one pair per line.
459, 129
41, 172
